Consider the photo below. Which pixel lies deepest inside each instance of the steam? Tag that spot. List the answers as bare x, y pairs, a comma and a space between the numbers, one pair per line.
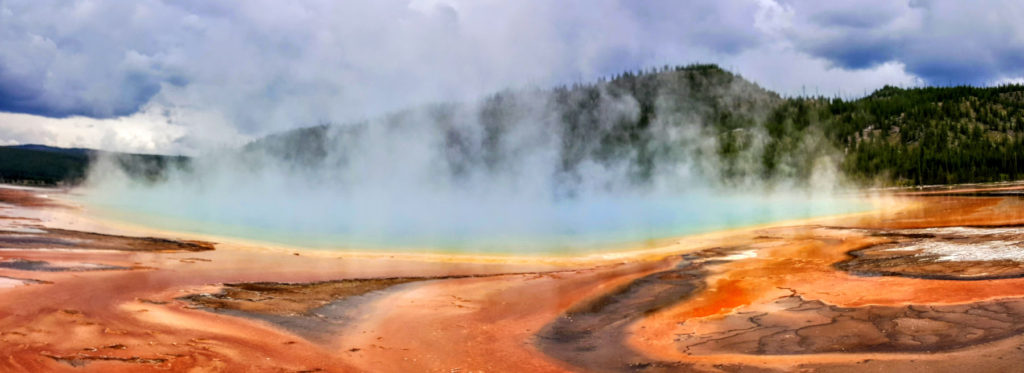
525, 171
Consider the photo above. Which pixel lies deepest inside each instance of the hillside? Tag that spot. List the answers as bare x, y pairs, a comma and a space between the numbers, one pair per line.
702, 117
929, 135
32, 164
917, 136
623, 122
40, 165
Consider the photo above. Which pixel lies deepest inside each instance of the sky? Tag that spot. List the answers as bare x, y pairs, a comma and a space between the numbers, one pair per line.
183, 76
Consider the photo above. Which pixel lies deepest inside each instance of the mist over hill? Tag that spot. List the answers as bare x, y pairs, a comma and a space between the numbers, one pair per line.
729, 130
41, 165
631, 158
628, 159
697, 120
696, 124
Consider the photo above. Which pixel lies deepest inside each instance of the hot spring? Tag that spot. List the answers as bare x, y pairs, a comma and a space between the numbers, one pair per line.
438, 225
559, 172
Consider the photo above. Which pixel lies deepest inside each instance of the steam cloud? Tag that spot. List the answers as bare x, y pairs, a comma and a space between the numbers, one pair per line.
524, 171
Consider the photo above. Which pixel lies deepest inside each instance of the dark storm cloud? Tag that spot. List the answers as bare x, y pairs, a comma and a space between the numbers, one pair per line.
942, 42
862, 18
129, 93
855, 52
81, 58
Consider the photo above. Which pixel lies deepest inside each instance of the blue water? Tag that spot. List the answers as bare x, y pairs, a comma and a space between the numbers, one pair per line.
566, 227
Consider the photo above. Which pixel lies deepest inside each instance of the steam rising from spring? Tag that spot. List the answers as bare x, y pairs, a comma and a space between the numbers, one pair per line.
568, 169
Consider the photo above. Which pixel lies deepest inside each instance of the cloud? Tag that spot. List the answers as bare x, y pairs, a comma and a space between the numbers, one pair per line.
262, 66
148, 131
941, 42
66, 59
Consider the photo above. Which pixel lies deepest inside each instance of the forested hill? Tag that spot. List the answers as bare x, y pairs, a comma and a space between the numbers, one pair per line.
702, 116
894, 136
928, 135
42, 165
616, 122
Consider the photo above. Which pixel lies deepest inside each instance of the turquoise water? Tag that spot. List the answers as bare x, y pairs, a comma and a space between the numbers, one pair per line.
511, 227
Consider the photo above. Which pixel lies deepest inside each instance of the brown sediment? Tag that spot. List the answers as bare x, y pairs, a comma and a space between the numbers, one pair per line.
44, 266
18, 218
963, 254
290, 299
475, 323
26, 197
793, 325
7, 281
590, 334
81, 359
315, 311
55, 238
193, 260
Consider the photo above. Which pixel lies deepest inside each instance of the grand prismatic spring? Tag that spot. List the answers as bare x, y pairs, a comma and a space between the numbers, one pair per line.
929, 283
735, 186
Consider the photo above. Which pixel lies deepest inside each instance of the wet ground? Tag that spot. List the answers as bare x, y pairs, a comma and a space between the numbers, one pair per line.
936, 286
